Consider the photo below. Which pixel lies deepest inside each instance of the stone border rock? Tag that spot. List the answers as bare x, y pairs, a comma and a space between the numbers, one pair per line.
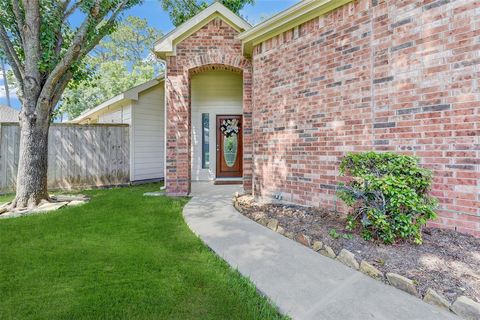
348, 259
57, 202
462, 306
402, 283
466, 308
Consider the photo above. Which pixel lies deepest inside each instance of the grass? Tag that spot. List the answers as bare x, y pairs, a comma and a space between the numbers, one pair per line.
6, 198
121, 256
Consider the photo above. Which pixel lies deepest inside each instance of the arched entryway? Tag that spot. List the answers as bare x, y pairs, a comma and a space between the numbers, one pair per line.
208, 87
216, 124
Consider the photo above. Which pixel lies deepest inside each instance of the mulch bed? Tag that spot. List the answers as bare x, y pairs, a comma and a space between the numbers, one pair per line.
447, 261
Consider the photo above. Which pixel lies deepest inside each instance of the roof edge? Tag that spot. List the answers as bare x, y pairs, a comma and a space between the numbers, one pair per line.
166, 45
302, 12
130, 94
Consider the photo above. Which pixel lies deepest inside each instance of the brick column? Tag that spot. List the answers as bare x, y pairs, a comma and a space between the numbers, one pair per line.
247, 131
178, 130
213, 46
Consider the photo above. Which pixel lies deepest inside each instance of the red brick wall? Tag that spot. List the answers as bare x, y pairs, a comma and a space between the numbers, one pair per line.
398, 75
213, 46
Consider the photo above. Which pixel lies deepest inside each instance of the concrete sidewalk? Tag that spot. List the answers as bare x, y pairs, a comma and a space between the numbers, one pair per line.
301, 282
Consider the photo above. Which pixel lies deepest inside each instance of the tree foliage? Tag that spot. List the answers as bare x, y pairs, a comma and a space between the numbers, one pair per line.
388, 193
182, 10
42, 46
45, 51
120, 61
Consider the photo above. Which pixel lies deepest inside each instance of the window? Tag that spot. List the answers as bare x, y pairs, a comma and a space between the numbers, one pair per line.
205, 141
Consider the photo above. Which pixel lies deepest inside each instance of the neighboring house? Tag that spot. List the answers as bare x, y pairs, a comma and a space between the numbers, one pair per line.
318, 80
8, 114
142, 108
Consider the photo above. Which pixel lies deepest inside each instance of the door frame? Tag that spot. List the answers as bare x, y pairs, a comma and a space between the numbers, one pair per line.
218, 161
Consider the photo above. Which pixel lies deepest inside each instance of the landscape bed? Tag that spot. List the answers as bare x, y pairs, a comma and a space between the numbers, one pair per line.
447, 261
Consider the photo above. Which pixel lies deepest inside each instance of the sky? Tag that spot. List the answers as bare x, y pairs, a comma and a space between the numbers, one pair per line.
156, 17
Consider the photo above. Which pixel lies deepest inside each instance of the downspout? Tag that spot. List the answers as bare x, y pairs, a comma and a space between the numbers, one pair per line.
165, 114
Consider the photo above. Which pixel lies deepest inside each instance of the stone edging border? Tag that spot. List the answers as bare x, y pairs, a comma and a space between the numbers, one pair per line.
462, 306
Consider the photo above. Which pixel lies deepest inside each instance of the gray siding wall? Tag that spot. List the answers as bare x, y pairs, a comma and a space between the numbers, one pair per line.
148, 123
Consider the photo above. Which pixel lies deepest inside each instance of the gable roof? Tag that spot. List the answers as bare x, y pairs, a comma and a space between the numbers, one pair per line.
166, 45
8, 114
128, 95
250, 36
301, 12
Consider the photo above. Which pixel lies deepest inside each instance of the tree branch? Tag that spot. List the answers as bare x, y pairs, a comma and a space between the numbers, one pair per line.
32, 81
12, 57
107, 25
190, 4
62, 15
59, 88
75, 51
71, 54
19, 19
71, 10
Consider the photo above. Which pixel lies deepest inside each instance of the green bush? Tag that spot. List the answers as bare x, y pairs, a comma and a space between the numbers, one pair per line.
388, 194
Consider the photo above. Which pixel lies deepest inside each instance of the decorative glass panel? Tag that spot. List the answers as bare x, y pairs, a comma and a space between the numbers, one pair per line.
229, 127
205, 141
230, 147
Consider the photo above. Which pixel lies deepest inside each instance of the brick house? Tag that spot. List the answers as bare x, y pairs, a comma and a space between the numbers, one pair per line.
318, 80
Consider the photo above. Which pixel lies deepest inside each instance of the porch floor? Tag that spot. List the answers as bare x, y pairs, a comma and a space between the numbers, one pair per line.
209, 188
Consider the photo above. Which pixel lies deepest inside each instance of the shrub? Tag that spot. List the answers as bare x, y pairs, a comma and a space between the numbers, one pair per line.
388, 193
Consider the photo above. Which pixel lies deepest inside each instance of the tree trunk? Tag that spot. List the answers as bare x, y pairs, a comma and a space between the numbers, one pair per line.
33, 162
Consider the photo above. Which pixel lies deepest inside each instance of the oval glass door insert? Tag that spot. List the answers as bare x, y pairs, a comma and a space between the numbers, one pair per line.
230, 147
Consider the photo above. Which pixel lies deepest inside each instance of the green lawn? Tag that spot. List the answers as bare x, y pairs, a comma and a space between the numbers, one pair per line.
122, 256
5, 198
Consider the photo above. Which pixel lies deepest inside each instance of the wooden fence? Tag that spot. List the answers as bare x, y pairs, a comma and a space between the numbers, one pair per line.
78, 155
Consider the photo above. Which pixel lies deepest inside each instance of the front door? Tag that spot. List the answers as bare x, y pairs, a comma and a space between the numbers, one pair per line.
229, 146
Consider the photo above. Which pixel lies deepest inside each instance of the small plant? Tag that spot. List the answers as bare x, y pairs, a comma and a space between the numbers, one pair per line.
335, 235
347, 236
388, 194
381, 262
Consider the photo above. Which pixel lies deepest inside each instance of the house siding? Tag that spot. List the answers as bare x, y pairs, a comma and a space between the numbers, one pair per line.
396, 75
146, 119
121, 114
148, 135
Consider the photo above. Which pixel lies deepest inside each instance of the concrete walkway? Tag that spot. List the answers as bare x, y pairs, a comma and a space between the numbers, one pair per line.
301, 282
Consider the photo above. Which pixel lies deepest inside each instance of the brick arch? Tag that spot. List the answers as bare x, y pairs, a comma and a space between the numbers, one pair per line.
213, 46
211, 61
210, 67
178, 170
